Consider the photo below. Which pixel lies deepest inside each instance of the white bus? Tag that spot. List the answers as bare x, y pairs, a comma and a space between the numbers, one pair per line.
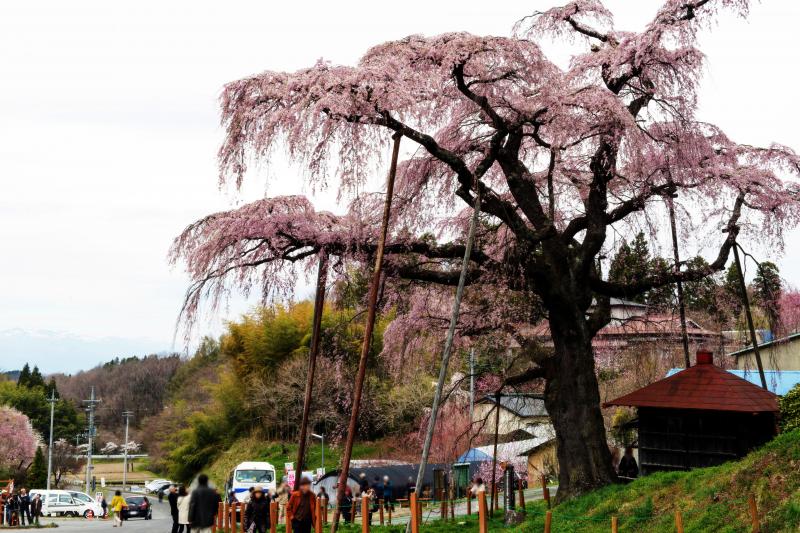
250, 474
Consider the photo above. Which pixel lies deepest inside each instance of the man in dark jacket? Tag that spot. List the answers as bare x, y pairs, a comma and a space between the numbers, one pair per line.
172, 498
203, 506
628, 469
257, 512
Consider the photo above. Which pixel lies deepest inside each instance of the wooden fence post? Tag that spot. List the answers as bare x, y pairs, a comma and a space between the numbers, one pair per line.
547, 496
443, 507
234, 516
288, 522
548, 520
614, 525
325, 511
218, 518
521, 496
365, 518
469, 503
242, 509
483, 521
380, 512
273, 517
754, 513
414, 515
678, 522
318, 516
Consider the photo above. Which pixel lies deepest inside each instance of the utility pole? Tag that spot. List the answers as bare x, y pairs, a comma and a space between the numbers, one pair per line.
127, 415
52, 401
91, 404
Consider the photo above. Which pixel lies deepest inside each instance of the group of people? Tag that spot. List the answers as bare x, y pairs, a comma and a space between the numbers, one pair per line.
377, 492
195, 512
20, 508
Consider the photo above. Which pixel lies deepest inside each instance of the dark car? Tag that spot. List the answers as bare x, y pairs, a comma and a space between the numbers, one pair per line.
138, 507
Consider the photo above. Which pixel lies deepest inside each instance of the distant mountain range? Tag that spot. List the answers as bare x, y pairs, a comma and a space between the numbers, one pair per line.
55, 351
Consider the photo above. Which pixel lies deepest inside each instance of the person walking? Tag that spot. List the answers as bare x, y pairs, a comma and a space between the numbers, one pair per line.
282, 497
118, 503
172, 499
256, 517
302, 506
203, 506
388, 493
346, 504
184, 500
363, 483
104, 506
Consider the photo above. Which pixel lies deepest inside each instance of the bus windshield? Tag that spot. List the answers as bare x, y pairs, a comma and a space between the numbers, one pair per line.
254, 476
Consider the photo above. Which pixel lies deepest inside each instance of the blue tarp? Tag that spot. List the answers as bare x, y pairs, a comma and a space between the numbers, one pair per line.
779, 382
473, 455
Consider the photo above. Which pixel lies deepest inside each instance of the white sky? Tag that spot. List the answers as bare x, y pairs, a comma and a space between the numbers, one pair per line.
109, 130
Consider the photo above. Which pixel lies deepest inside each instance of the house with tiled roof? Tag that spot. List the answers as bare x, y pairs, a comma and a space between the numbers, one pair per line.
700, 416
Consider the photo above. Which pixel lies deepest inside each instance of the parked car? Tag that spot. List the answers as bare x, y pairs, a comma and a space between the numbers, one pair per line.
156, 485
138, 507
68, 503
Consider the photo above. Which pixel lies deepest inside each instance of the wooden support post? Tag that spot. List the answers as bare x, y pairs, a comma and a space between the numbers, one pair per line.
241, 516
521, 496
547, 496
548, 521
452, 507
218, 518
414, 514
325, 511
318, 516
234, 524
273, 517
364, 514
614, 525
288, 523
483, 520
678, 522
380, 512
496, 498
754, 513
443, 507
469, 503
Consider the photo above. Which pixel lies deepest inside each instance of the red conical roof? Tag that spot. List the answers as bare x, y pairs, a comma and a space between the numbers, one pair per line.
703, 386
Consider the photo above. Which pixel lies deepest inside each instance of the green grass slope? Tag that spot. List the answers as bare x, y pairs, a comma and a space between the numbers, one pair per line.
709, 499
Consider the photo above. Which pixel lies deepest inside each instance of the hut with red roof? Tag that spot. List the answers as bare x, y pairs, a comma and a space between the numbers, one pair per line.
701, 416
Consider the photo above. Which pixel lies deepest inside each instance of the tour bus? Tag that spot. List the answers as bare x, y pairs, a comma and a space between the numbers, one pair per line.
250, 474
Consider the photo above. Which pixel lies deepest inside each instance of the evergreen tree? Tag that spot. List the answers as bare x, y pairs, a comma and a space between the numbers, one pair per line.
51, 389
701, 295
732, 290
36, 379
662, 297
767, 290
37, 473
24, 376
631, 263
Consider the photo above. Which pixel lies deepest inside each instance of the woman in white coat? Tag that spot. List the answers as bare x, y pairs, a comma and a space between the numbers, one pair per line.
183, 511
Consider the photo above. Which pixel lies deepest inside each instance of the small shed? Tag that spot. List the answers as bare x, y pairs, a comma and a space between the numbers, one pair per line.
700, 416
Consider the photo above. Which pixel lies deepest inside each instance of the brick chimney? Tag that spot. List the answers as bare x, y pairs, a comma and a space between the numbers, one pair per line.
705, 357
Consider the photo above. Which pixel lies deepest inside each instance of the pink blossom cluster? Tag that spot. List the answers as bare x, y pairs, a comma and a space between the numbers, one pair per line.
19, 441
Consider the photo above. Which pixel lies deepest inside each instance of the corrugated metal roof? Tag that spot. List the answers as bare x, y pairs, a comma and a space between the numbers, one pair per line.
703, 386
789, 338
778, 381
523, 405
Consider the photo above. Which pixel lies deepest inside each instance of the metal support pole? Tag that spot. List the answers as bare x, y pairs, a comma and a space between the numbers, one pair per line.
471, 385
494, 453
749, 315
681, 305
91, 404
372, 303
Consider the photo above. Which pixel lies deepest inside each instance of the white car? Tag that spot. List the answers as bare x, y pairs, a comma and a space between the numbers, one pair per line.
153, 486
68, 503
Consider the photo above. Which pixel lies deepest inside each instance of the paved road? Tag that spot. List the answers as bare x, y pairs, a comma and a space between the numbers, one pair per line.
161, 522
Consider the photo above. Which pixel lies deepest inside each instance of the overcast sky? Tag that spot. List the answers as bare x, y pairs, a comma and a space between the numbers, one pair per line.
109, 131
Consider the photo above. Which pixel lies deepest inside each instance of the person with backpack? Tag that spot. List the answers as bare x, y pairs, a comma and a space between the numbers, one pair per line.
256, 517
118, 504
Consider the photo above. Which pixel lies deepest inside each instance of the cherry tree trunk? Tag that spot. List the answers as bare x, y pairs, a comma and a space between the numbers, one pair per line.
572, 399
